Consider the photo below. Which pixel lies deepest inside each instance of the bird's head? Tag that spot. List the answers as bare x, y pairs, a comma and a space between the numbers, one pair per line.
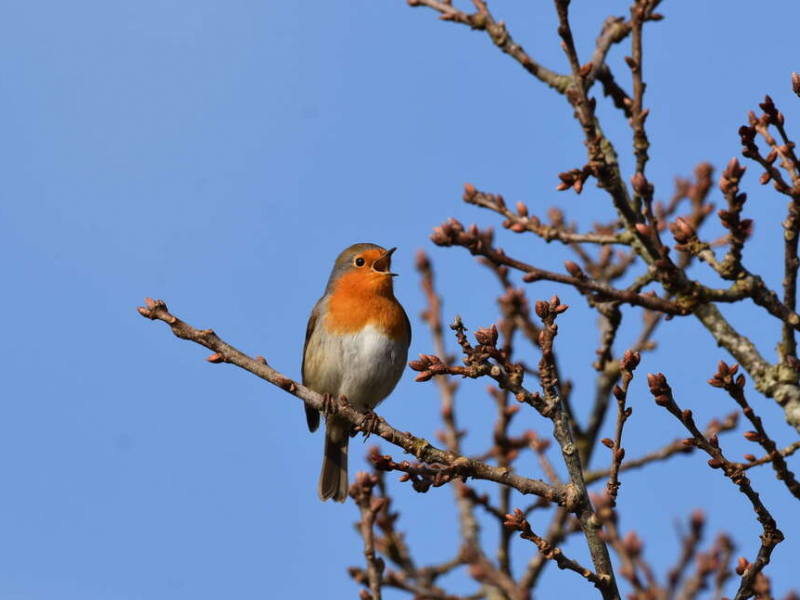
364, 268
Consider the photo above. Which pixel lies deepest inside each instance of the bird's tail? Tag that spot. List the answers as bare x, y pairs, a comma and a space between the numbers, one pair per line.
333, 478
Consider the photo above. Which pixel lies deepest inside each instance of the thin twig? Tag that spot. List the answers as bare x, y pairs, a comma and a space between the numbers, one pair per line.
627, 365
726, 378
771, 536
715, 427
518, 522
482, 20
361, 493
688, 550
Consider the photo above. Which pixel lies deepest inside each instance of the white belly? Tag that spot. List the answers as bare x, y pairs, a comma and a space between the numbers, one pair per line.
364, 367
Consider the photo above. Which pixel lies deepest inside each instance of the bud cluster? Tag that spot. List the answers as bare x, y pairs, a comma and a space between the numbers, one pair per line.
548, 310
642, 186
660, 389
575, 178
428, 365
685, 235
453, 233
724, 377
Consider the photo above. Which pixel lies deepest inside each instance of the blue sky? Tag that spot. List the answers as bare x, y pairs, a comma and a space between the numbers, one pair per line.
219, 155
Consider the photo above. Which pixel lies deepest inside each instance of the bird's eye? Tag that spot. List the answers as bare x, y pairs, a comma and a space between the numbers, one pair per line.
359, 262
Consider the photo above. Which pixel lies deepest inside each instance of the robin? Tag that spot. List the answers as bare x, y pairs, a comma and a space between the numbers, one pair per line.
356, 346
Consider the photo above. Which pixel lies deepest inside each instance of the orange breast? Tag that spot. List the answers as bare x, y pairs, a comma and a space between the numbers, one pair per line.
359, 300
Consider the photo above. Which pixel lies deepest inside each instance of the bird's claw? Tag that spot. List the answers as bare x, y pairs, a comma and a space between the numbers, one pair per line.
369, 424
328, 405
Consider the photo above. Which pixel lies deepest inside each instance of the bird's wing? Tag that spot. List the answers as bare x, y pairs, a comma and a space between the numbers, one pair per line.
312, 414
408, 324
312, 323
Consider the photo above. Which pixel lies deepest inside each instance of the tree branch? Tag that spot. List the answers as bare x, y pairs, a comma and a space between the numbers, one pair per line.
361, 493
419, 447
771, 536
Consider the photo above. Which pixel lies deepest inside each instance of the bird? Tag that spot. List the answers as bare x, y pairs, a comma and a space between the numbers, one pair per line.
356, 346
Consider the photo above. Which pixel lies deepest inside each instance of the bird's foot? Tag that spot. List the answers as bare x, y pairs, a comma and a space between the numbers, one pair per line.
328, 406
370, 423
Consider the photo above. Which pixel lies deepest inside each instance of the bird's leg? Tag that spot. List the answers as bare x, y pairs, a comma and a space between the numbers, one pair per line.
328, 406
370, 423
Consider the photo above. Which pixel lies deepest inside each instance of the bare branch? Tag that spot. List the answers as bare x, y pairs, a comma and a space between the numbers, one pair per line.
482, 20
771, 536
626, 366
452, 233
725, 379
418, 447
688, 550
361, 493
518, 522
520, 221
715, 427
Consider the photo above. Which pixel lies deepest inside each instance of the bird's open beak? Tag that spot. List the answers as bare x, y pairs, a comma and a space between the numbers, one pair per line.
382, 263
